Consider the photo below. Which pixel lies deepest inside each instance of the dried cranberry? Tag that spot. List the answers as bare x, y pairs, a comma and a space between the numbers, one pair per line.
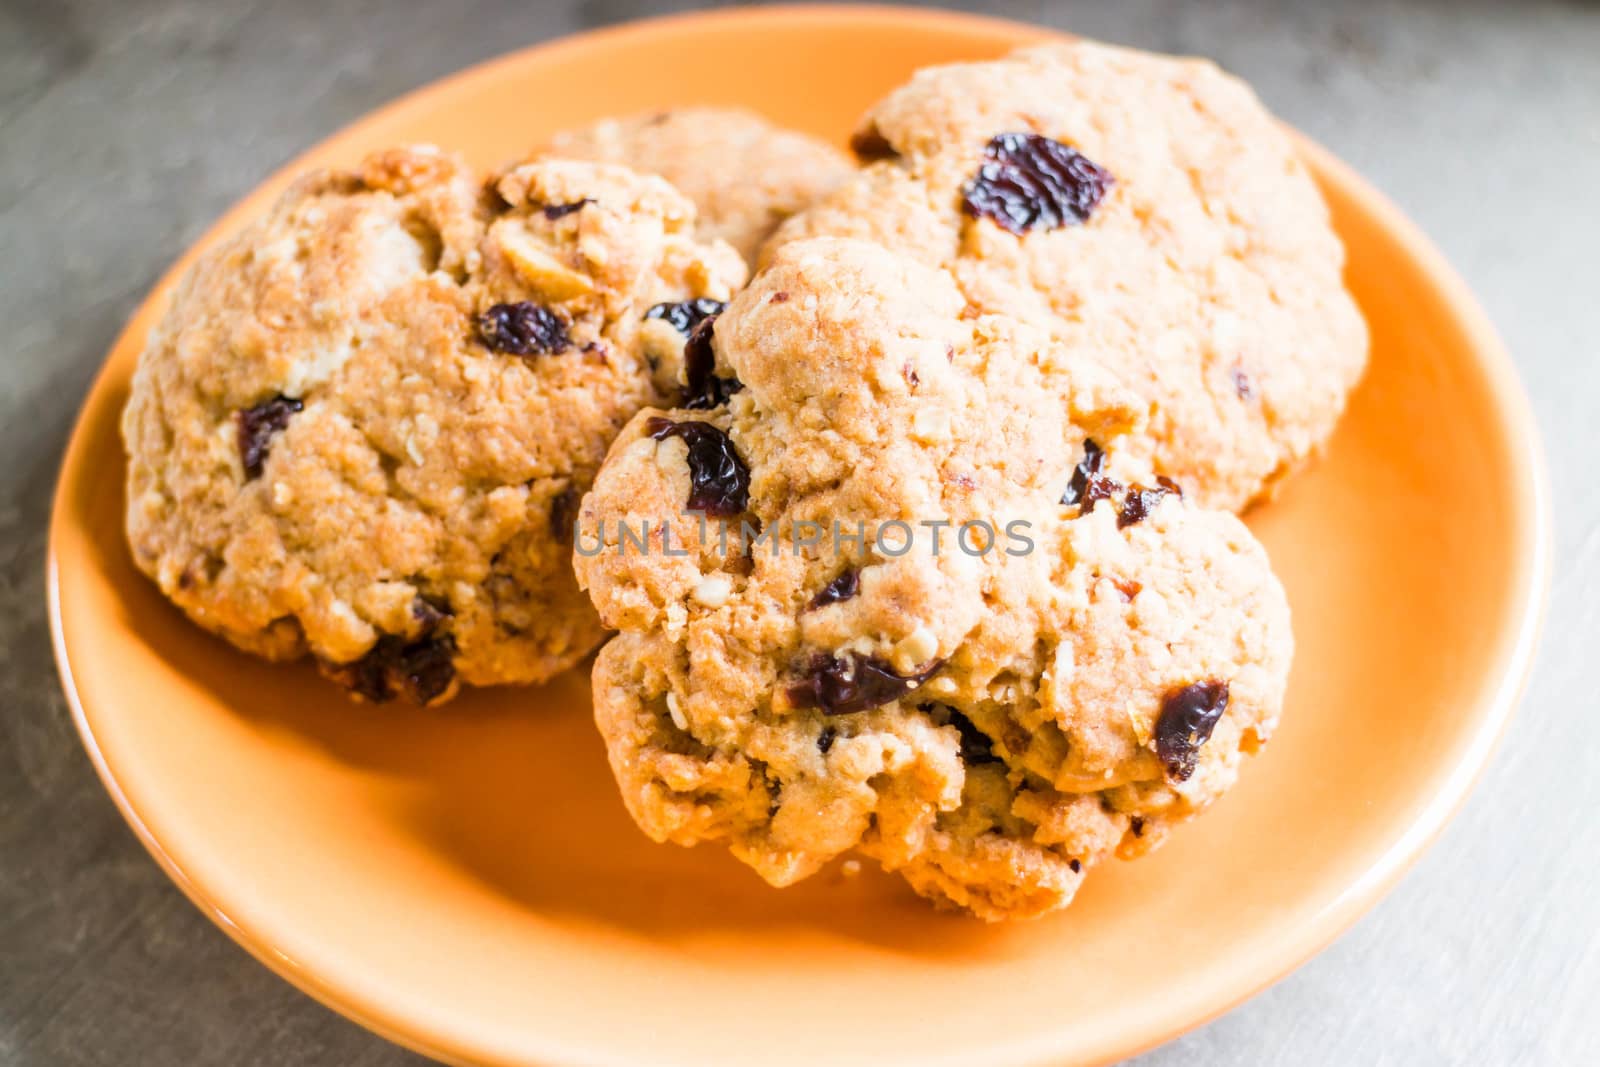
703, 390
843, 587
1188, 716
556, 211
563, 512
1140, 502
843, 684
1089, 484
719, 482
258, 425
420, 670
523, 329
685, 315
1029, 182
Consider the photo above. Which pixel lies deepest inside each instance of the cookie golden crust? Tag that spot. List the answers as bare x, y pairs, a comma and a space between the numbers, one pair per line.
744, 174
1206, 278
991, 723
361, 429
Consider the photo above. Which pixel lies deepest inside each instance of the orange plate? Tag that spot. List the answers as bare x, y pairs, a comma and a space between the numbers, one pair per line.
467, 882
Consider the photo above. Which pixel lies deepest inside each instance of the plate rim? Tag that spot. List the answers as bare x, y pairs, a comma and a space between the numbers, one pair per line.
1517, 643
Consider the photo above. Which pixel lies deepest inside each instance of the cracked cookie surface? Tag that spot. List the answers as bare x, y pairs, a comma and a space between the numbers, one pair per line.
1148, 213
363, 425
991, 724
744, 174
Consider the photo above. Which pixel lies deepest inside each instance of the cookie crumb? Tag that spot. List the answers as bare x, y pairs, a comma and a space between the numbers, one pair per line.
675, 712
713, 591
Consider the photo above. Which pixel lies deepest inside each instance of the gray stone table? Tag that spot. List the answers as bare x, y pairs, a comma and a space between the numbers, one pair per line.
126, 127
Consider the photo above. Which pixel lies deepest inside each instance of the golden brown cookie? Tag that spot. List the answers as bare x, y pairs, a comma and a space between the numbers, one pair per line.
363, 425
744, 174
877, 593
1147, 213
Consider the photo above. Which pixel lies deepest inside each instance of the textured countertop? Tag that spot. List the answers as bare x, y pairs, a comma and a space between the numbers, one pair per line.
126, 127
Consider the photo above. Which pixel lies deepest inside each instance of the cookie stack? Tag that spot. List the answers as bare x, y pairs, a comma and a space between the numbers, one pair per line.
917, 536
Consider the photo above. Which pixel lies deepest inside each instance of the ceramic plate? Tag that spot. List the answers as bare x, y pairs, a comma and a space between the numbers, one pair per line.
466, 881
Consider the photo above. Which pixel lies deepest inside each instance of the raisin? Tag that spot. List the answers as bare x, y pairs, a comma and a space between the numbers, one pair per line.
843, 587
976, 747
1075, 865
257, 427
1029, 182
430, 612
685, 315
1188, 716
365, 677
774, 787
420, 670
563, 512
840, 685
703, 390
826, 738
426, 668
870, 145
719, 482
1242, 384
1137, 826
1089, 484
556, 211
523, 329
1140, 502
